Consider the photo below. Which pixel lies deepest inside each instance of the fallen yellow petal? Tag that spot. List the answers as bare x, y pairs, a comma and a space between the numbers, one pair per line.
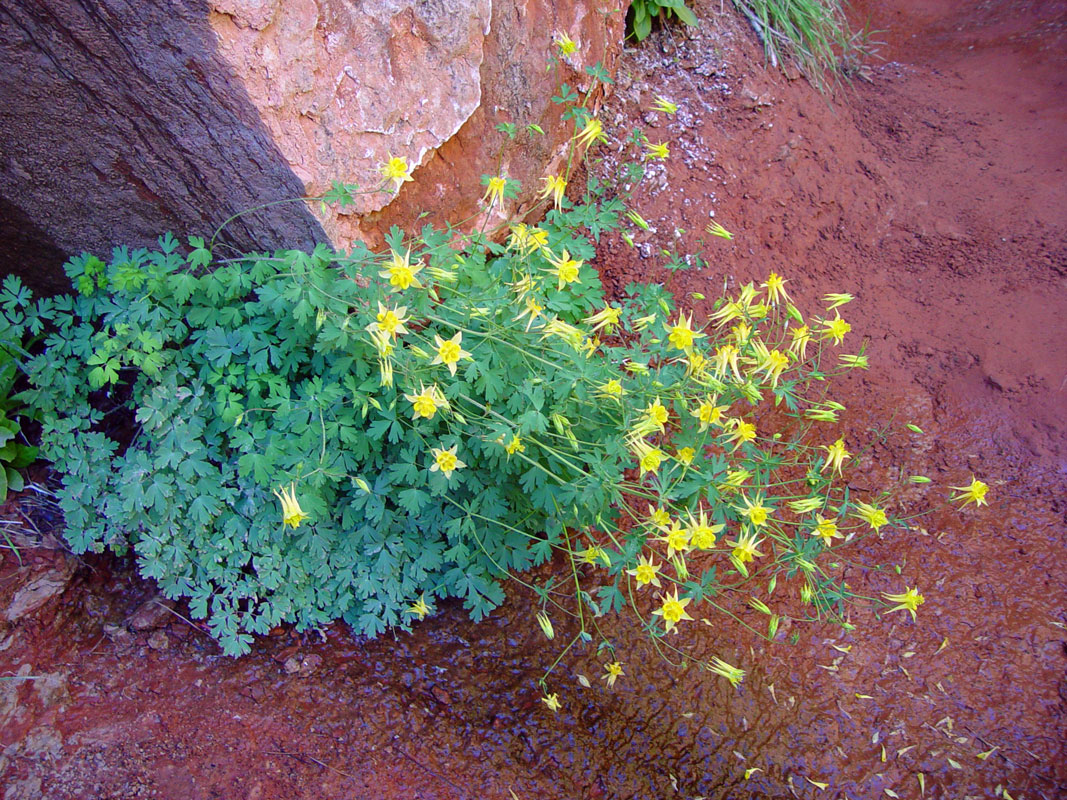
817, 783
987, 753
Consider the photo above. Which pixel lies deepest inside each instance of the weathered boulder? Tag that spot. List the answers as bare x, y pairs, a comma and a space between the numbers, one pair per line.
124, 120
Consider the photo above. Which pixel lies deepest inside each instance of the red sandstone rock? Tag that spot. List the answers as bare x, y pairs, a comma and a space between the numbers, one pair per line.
122, 121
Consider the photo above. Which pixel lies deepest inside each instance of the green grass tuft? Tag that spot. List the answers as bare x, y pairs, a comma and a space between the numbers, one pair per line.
814, 33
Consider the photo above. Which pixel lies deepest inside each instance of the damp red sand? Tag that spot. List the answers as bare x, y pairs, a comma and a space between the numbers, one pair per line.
935, 194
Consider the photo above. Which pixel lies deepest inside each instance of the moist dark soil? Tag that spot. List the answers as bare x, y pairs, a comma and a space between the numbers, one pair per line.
932, 188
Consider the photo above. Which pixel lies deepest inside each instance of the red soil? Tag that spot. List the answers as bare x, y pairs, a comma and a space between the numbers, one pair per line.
936, 195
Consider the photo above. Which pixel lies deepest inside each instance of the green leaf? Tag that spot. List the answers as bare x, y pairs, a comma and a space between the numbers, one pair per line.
685, 15
14, 479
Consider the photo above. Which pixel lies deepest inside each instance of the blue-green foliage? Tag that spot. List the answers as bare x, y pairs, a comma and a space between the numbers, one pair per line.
14, 454
241, 377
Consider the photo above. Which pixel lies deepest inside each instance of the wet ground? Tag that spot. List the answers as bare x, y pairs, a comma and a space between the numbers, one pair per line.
936, 193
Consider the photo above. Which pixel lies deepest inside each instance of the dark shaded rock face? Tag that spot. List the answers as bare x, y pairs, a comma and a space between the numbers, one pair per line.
120, 122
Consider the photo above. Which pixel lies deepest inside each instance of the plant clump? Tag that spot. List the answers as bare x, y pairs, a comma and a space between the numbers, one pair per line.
318, 436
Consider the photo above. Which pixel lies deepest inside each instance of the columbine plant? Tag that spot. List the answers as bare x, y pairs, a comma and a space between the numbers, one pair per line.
314, 436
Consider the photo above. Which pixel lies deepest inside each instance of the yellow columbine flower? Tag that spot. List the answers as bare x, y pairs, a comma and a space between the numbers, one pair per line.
565, 44
681, 335
835, 329
696, 365
390, 321
527, 240
555, 187
494, 192
827, 529
730, 311
614, 672
292, 514
660, 151
641, 323
589, 346
418, 608
974, 492
607, 318
611, 389
401, 273
775, 287
799, 344
735, 479
552, 701
646, 572
650, 461
726, 358
676, 539
520, 239
708, 413
546, 625
837, 299
449, 351
732, 674
532, 308
701, 534
772, 362
563, 330
565, 268
740, 432
872, 515
593, 131
426, 402
673, 610
648, 458
526, 283
715, 229
908, 601
445, 461
591, 555
657, 414
685, 455
744, 548
381, 340
806, 505
515, 446
396, 169
658, 517
756, 512
385, 372
854, 362
835, 456
664, 105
